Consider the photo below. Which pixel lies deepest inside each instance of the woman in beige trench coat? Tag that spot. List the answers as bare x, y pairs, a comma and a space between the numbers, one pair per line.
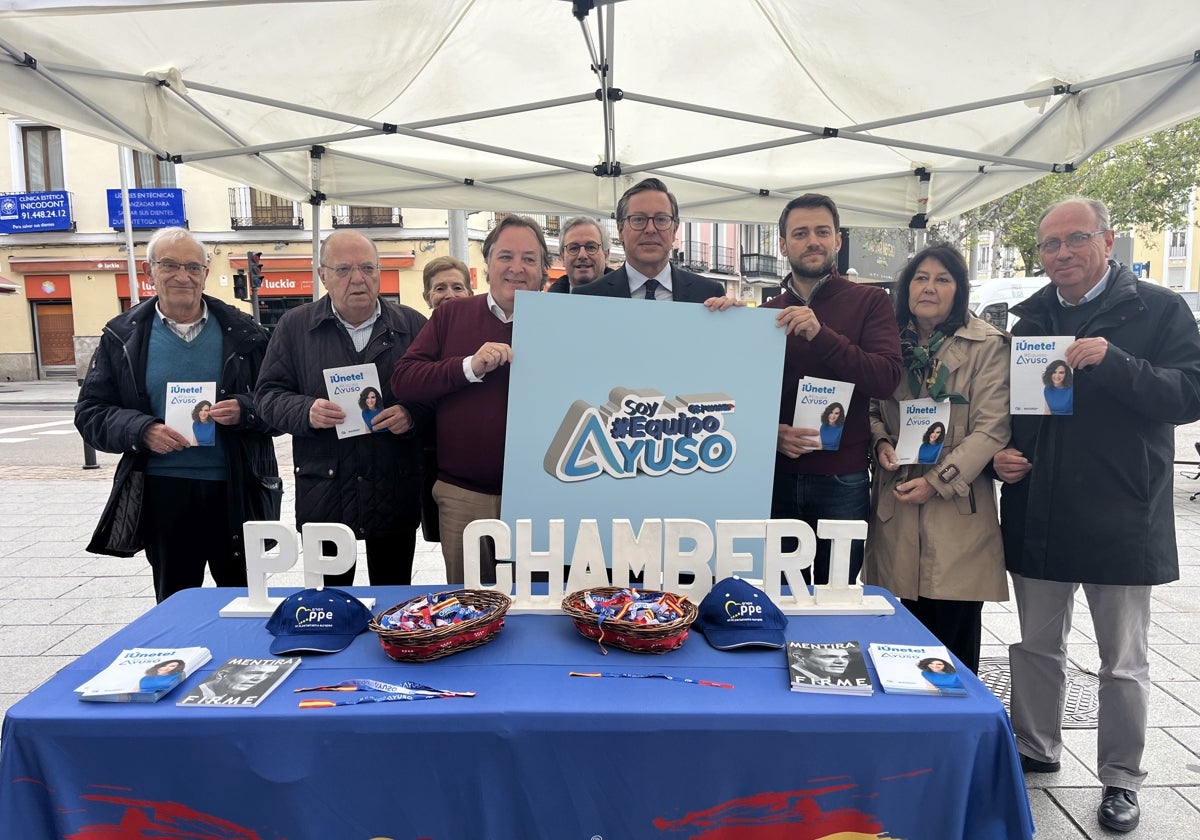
934, 538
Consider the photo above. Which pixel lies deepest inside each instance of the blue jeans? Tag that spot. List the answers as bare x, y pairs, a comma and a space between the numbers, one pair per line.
812, 497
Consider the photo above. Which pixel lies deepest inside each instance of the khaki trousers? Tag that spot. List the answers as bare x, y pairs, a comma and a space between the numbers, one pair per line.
458, 508
1121, 618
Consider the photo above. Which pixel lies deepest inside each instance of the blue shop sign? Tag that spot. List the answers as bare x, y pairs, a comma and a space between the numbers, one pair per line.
25, 212
150, 208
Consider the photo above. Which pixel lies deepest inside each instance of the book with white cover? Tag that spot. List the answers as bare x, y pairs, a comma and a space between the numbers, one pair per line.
823, 404
351, 388
828, 668
187, 411
916, 669
241, 681
143, 675
923, 425
1040, 380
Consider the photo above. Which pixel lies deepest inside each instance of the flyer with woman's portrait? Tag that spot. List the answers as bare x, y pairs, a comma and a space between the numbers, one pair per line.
923, 425
355, 388
189, 411
1041, 381
821, 404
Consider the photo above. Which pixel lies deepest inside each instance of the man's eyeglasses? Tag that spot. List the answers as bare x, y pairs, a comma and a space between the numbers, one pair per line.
170, 266
343, 272
638, 221
590, 247
1074, 241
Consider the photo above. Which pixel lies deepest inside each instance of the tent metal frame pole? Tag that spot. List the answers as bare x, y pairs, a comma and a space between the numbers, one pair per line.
1038, 127
734, 150
233, 135
43, 72
1040, 93
495, 150
825, 133
1133, 73
840, 182
490, 185
299, 144
125, 159
315, 155
1147, 106
524, 108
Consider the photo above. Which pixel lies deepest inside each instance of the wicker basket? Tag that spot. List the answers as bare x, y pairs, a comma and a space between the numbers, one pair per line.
638, 638
426, 645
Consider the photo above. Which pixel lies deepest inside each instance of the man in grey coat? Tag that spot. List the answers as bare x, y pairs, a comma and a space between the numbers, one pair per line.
1087, 499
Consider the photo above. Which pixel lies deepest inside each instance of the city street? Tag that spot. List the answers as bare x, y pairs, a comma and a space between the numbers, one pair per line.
58, 602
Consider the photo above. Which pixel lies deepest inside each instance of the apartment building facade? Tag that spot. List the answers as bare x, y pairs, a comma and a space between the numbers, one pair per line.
64, 267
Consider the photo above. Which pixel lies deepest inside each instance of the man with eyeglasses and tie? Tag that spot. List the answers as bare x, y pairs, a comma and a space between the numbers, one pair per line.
184, 504
372, 482
584, 249
1087, 499
647, 219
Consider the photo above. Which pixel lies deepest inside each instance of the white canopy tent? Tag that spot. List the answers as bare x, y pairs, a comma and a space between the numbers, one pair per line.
901, 112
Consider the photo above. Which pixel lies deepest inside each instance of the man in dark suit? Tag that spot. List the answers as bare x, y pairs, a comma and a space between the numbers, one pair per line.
647, 219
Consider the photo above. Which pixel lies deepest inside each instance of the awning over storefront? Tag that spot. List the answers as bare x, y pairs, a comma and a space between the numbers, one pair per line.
8, 287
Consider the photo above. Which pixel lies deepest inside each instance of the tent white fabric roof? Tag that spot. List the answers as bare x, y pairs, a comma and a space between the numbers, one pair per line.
894, 109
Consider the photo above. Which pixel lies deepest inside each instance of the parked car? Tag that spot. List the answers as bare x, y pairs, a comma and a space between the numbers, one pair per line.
991, 299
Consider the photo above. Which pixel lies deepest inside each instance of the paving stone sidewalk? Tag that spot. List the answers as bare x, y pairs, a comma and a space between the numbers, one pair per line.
57, 602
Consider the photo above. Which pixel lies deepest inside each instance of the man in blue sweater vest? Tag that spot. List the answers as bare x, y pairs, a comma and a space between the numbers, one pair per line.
184, 504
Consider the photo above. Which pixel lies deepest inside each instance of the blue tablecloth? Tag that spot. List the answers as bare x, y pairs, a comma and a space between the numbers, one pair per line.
536, 754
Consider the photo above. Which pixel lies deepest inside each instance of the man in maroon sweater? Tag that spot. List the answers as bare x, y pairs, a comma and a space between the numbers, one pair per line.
460, 361
835, 330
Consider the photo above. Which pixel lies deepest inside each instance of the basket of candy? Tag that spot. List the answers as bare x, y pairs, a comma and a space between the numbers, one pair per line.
637, 620
439, 624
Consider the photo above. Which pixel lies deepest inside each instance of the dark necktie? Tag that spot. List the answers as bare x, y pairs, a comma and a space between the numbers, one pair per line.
650, 287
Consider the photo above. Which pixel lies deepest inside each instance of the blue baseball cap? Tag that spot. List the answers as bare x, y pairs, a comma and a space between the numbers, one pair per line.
735, 614
317, 620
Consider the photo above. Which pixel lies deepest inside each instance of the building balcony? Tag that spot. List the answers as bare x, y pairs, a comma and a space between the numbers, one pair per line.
724, 260
251, 209
763, 267
353, 216
549, 223
693, 256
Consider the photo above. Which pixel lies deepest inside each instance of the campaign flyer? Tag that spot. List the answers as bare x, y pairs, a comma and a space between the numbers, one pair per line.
823, 404
355, 388
923, 425
1041, 381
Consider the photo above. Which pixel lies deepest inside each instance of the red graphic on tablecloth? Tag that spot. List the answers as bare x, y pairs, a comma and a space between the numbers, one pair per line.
147, 820
786, 815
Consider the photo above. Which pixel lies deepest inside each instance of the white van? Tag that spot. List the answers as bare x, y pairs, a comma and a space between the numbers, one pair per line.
991, 299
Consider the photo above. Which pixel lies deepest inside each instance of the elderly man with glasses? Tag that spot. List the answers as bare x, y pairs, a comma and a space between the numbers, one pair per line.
184, 504
369, 482
647, 220
583, 247
1087, 499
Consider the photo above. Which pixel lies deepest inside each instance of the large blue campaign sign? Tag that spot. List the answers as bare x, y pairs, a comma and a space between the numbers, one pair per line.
26, 212
148, 208
624, 409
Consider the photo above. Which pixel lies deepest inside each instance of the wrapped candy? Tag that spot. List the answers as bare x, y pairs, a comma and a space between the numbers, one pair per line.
431, 611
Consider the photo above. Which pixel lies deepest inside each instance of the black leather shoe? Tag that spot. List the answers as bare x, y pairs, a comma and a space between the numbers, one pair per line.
1032, 765
1119, 809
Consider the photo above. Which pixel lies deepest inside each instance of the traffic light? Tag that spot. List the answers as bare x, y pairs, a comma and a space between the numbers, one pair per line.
240, 290
255, 267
